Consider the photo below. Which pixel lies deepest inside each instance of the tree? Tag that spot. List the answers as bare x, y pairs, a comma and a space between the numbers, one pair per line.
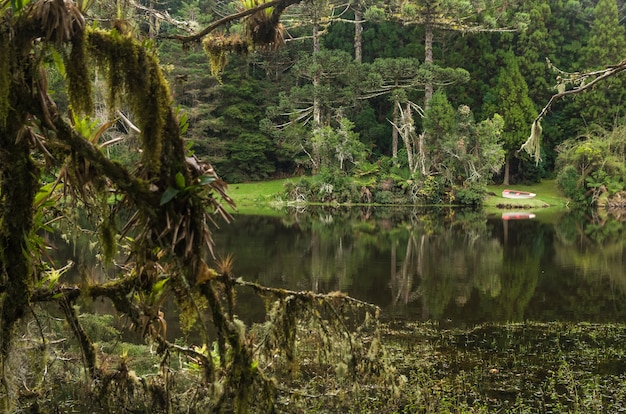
533, 46
606, 40
511, 100
328, 86
468, 153
158, 211
456, 15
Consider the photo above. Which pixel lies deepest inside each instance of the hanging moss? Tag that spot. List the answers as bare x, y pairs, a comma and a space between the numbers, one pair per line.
533, 144
108, 242
217, 48
4, 76
79, 83
134, 71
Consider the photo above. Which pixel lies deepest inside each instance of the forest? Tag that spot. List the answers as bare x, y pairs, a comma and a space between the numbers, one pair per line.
421, 102
121, 124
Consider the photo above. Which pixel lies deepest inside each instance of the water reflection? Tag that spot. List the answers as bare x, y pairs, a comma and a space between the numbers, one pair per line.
454, 267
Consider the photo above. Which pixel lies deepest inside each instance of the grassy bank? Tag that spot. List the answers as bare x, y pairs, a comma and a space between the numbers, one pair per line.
263, 197
548, 195
258, 197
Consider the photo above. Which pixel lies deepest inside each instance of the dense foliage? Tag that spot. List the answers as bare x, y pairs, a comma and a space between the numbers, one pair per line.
408, 119
492, 58
149, 217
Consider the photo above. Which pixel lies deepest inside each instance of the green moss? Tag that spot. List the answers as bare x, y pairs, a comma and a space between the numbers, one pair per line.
107, 239
79, 83
133, 71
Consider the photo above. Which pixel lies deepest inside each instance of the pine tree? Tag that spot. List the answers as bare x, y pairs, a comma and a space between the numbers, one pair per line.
515, 106
533, 47
606, 45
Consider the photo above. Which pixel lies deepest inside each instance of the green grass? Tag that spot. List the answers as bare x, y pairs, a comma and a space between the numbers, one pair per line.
258, 197
261, 197
549, 200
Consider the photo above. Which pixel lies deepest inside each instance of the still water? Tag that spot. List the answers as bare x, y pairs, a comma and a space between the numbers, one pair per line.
455, 268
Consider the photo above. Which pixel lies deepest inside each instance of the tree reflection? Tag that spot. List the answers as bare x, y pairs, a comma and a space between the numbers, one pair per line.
592, 247
448, 266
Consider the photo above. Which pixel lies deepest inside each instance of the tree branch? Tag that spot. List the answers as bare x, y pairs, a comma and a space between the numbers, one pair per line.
601, 75
279, 7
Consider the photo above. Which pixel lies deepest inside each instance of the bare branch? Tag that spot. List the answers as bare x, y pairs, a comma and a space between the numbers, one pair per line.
164, 16
533, 143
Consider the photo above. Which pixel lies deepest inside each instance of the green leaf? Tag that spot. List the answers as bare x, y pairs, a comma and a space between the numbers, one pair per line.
158, 286
184, 123
206, 179
18, 5
180, 180
168, 195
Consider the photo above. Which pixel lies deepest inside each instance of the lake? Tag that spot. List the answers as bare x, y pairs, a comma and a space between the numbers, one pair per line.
453, 267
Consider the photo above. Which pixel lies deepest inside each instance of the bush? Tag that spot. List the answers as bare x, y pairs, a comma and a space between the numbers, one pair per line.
384, 197
571, 183
300, 191
472, 195
431, 190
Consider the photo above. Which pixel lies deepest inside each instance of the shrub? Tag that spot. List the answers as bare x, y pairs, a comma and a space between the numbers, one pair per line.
472, 195
384, 197
571, 183
431, 190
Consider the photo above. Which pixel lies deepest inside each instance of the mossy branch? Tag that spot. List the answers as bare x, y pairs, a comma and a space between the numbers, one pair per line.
278, 5
204, 361
305, 295
533, 143
86, 346
137, 189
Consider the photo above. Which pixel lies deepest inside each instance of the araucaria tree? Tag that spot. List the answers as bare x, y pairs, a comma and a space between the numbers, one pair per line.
52, 159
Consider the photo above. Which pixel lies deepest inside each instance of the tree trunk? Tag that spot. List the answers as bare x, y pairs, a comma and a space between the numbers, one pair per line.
422, 153
358, 36
428, 58
406, 123
507, 165
317, 111
394, 133
19, 184
428, 87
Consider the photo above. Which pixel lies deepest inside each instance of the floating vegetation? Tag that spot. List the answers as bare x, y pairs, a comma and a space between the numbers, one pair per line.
320, 363
527, 367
